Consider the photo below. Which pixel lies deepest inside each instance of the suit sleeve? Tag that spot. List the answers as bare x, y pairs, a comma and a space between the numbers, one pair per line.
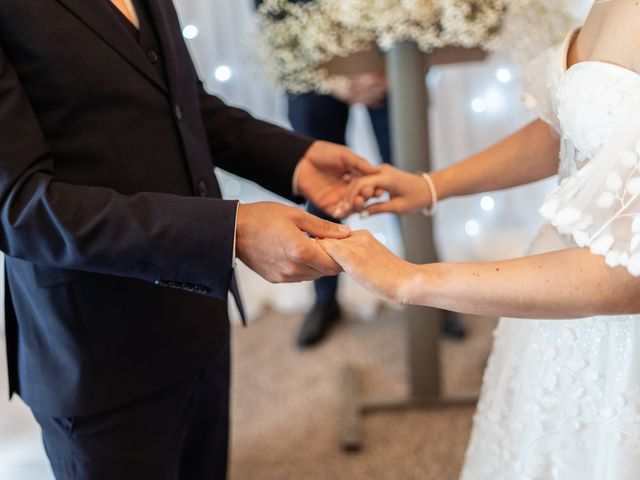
155, 237
250, 148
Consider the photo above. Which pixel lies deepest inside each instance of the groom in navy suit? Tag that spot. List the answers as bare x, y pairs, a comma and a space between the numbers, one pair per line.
119, 248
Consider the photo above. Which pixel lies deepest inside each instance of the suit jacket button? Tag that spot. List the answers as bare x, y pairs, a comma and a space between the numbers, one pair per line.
178, 111
188, 287
202, 188
153, 56
201, 290
161, 283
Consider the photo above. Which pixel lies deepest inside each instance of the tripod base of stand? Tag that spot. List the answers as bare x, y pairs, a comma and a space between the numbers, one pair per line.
354, 405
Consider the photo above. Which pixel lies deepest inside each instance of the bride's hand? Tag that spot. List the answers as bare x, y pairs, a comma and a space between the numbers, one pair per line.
408, 192
373, 266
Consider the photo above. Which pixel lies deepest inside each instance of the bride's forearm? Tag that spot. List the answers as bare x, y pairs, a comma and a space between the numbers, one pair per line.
565, 284
528, 155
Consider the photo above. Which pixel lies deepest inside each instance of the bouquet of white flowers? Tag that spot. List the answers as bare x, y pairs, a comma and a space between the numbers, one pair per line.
297, 40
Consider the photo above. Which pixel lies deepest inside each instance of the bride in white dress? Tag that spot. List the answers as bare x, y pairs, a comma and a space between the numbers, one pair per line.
561, 393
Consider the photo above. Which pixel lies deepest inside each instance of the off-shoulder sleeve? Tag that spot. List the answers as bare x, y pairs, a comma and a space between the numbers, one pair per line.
599, 205
539, 79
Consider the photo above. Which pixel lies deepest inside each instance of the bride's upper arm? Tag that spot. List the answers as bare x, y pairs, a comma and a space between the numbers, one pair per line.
618, 38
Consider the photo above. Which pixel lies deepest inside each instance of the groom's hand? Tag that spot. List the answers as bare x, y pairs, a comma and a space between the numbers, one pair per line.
272, 240
324, 173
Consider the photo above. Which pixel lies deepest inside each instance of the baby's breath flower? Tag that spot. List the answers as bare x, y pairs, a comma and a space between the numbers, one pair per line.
295, 40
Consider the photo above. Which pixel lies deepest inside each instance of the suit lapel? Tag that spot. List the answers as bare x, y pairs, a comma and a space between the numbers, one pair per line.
164, 23
97, 16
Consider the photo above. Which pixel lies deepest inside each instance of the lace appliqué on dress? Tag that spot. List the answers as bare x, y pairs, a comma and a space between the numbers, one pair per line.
598, 204
561, 399
565, 406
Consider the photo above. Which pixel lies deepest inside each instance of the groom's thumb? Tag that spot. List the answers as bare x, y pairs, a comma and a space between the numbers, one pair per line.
319, 228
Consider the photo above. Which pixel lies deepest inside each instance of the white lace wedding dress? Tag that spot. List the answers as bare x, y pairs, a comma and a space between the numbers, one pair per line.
561, 399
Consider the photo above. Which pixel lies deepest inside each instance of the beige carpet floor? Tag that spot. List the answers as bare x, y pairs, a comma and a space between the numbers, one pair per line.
285, 403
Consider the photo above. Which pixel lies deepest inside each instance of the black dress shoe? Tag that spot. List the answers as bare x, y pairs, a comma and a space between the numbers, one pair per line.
317, 323
453, 326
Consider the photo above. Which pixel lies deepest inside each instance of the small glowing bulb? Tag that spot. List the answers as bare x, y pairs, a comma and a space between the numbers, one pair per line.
190, 32
381, 238
222, 73
493, 99
487, 203
503, 75
478, 105
472, 228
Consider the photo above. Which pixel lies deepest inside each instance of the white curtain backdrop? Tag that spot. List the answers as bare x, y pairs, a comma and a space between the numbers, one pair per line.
472, 106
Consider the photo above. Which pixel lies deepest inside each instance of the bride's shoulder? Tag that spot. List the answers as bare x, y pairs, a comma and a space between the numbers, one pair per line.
612, 34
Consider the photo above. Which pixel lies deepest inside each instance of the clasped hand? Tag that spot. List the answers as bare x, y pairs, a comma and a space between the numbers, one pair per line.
286, 244
408, 193
279, 242
362, 256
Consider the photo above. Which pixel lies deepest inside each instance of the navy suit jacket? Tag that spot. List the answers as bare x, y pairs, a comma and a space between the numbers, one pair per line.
118, 244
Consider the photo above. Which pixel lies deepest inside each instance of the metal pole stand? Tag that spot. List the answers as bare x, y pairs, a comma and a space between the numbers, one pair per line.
406, 71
